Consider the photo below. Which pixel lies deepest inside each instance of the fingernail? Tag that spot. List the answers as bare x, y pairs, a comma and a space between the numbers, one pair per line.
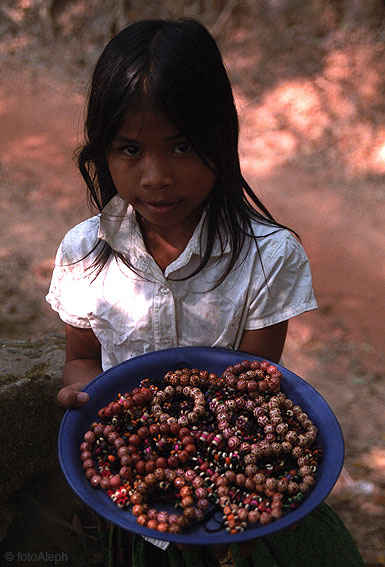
82, 397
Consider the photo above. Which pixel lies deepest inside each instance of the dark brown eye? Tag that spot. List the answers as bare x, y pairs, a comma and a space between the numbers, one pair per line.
182, 148
131, 150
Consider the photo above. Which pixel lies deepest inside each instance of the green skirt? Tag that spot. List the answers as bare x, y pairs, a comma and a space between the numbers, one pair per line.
319, 539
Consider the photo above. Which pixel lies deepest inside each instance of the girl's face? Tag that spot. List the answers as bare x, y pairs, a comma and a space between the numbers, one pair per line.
155, 169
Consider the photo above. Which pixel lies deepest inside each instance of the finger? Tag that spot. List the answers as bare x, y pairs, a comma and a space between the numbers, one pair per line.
72, 397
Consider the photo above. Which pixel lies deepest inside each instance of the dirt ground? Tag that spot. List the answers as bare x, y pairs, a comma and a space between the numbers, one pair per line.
312, 146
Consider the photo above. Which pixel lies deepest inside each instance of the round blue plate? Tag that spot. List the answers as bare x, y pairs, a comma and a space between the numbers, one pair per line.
127, 375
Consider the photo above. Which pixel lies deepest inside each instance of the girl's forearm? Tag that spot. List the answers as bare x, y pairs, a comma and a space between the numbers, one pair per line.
81, 371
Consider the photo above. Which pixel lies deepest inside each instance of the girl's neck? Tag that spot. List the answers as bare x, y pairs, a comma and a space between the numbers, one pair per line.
164, 245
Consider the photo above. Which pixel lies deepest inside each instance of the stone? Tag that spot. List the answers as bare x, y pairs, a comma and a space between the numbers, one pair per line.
30, 376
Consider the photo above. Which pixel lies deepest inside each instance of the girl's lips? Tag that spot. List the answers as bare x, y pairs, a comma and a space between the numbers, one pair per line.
160, 207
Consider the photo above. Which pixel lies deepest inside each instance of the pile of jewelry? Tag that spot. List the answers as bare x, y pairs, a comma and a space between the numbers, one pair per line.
201, 442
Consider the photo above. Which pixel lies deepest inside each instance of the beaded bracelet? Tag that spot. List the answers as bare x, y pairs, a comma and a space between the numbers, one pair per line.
202, 441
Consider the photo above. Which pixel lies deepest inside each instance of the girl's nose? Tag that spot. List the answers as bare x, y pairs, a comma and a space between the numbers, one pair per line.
156, 173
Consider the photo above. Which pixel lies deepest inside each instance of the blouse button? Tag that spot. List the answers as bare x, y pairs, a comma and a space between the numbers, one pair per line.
164, 290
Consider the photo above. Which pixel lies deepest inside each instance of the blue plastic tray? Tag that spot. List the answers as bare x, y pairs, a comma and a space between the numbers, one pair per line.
127, 375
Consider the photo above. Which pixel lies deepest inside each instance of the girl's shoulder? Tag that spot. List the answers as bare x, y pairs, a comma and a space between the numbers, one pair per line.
268, 234
274, 242
80, 240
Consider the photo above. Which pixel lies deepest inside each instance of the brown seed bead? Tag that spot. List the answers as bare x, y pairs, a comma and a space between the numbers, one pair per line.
230, 476
85, 446
183, 432
187, 501
189, 513
95, 480
115, 481
240, 479
282, 484
259, 478
160, 473
292, 487
309, 479
123, 451
286, 446
138, 509
90, 473
140, 467
252, 386
271, 483
179, 482
154, 429
161, 463
254, 516
242, 386
174, 428
184, 457
174, 529
125, 460
276, 513
86, 455
164, 428
150, 480
89, 437
242, 514
105, 483
222, 491
142, 520
152, 514
88, 464
297, 452
134, 440
173, 461
265, 518
152, 524
150, 466
143, 432
187, 440
142, 488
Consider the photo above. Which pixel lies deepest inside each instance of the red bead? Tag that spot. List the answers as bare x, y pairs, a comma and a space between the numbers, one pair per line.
173, 462
150, 466
115, 481
95, 480
154, 429
117, 408
105, 483
90, 437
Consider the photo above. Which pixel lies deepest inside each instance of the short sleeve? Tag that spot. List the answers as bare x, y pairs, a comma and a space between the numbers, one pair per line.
285, 289
70, 292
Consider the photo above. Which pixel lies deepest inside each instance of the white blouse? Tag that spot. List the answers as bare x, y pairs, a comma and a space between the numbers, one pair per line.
132, 314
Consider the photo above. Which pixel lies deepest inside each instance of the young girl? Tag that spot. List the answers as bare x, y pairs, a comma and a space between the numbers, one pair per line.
182, 253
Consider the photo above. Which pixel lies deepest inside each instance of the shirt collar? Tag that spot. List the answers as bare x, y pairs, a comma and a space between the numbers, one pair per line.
119, 227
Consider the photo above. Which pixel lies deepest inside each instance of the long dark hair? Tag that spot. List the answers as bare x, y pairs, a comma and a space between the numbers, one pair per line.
176, 67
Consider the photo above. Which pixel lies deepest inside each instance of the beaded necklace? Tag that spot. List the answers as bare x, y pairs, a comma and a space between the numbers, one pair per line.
202, 441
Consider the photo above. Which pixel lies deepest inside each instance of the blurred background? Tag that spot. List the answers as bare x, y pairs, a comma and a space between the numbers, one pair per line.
309, 82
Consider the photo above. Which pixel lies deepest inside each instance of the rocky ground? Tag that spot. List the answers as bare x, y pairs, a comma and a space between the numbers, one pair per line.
313, 147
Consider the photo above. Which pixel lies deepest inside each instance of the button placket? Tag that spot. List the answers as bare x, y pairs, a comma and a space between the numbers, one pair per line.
165, 318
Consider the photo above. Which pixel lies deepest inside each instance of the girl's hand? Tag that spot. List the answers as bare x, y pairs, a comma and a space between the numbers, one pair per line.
71, 396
